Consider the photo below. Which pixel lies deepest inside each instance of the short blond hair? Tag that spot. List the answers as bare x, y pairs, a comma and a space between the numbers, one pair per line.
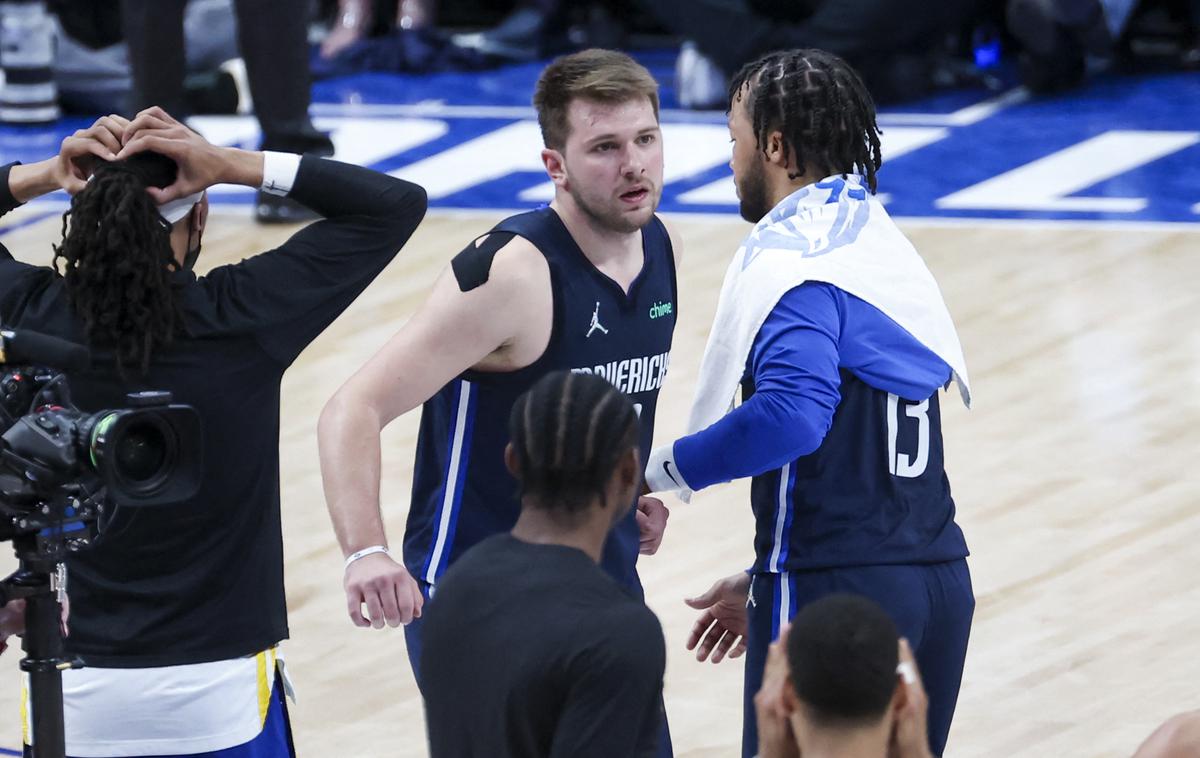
606, 76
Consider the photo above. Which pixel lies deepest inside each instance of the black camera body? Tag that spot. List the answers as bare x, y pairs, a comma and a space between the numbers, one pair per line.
61, 465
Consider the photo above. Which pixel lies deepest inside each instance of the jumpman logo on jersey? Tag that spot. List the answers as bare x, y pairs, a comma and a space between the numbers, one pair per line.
596, 322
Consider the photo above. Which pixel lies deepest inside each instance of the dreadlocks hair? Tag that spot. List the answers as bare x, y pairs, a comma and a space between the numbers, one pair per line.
117, 259
569, 432
820, 105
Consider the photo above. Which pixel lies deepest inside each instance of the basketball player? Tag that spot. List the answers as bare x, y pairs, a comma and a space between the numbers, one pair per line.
571, 286
582, 665
838, 335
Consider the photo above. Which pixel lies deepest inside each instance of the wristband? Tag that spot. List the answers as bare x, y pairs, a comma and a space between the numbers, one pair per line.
365, 552
662, 475
279, 172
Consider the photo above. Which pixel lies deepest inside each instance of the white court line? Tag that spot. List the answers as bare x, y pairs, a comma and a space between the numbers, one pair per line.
438, 109
732, 217
245, 209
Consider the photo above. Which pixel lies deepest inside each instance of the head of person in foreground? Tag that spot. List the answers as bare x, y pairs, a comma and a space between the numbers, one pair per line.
574, 453
847, 685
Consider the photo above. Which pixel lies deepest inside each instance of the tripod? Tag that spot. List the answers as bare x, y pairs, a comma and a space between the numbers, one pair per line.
41, 581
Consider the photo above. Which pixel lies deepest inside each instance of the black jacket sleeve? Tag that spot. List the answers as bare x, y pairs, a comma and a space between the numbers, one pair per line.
7, 201
11, 271
287, 296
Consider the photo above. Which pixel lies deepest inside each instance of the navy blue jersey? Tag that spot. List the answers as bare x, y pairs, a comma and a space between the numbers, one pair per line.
462, 492
874, 492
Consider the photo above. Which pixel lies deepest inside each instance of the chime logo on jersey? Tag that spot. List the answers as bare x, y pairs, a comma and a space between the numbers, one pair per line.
658, 310
632, 375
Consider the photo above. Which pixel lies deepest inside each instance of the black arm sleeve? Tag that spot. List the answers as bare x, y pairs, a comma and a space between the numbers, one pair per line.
10, 269
287, 296
614, 704
7, 201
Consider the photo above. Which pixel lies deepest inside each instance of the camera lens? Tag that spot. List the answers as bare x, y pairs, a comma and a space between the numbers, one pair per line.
141, 453
134, 450
145, 456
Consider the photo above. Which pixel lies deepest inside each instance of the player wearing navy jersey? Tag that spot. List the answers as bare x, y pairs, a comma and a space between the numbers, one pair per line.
586, 284
839, 338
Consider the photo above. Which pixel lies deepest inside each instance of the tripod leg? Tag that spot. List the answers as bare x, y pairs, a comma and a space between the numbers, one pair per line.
44, 649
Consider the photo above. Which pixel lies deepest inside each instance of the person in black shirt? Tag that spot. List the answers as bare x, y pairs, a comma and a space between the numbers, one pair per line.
557, 661
178, 609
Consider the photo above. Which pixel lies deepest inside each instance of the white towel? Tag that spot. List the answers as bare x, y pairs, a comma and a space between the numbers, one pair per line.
836, 232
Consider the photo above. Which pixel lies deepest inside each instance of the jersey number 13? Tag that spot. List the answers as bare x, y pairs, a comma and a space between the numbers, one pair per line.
901, 463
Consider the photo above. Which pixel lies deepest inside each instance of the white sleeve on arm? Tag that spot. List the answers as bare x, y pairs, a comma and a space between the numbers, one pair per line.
279, 172
662, 473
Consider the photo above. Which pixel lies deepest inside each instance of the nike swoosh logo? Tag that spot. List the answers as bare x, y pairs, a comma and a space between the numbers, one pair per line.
667, 468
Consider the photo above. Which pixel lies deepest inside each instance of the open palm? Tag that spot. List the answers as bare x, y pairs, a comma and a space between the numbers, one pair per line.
721, 629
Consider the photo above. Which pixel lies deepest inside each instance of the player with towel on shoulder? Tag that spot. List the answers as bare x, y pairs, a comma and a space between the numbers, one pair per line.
837, 333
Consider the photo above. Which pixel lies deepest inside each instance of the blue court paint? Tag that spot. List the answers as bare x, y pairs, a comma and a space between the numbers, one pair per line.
1133, 142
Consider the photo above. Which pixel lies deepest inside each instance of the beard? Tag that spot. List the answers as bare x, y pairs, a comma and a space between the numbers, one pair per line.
752, 194
607, 217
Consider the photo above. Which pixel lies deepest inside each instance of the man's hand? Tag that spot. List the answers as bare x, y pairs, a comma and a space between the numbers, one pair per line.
70, 169
774, 703
652, 518
201, 164
386, 588
909, 732
721, 628
78, 153
12, 618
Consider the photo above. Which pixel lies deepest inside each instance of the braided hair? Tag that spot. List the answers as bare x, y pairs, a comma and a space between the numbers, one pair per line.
569, 432
820, 105
117, 259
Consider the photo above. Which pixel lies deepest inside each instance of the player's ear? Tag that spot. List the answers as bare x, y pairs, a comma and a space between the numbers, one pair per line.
556, 166
777, 152
510, 460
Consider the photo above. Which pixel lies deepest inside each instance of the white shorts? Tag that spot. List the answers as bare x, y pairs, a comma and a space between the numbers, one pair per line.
168, 710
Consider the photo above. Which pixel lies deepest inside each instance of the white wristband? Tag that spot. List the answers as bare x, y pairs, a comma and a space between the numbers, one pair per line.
662, 475
365, 552
279, 172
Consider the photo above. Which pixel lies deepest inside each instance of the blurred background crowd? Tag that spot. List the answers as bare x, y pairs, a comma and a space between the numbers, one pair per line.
905, 49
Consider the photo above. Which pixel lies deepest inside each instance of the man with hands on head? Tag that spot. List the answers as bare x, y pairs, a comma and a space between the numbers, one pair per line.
840, 683
178, 610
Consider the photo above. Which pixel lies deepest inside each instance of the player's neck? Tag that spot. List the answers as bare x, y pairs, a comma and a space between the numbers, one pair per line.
866, 742
780, 185
586, 531
602, 245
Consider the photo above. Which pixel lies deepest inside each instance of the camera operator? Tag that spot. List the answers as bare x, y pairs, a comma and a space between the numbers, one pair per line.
177, 610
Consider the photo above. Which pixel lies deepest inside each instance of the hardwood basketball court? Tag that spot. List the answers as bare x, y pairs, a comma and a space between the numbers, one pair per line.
1074, 477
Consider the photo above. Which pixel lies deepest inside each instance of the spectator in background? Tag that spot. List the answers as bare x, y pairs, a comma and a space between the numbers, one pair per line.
91, 64
887, 41
355, 18
1062, 40
272, 36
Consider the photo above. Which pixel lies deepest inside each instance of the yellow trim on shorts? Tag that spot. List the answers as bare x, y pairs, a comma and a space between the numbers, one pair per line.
264, 686
25, 738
